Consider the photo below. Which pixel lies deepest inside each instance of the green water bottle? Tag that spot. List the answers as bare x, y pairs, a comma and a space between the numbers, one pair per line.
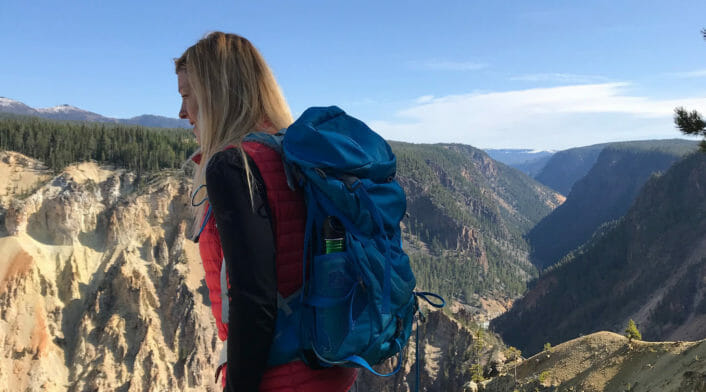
334, 235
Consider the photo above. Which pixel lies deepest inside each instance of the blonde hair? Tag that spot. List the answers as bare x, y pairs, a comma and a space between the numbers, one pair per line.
236, 94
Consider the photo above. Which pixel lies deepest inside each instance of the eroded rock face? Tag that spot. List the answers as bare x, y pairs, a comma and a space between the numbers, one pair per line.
445, 356
471, 240
100, 289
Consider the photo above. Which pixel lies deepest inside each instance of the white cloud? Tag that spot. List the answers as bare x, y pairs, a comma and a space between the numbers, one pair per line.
424, 99
445, 65
699, 73
542, 118
560, 77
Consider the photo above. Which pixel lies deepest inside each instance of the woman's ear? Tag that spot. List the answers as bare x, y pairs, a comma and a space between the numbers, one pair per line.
265, 125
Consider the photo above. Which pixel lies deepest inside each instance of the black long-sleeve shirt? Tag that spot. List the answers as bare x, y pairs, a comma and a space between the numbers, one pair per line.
248, 244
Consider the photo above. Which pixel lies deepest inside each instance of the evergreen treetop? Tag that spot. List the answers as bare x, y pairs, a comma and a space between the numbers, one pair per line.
631, 331
691, 123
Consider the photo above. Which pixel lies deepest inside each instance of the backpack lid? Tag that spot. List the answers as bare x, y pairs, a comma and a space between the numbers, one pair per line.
328, 138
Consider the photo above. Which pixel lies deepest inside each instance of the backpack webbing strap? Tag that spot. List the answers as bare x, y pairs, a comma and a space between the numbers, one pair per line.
308, 251
224, 292
358, 360
205, 221
283, 303
425, 296
196, 204
222, 359
416, 359
365, 198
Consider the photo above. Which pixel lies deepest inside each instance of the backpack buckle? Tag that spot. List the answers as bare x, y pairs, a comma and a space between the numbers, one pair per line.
399, 328
351, 182
320, 172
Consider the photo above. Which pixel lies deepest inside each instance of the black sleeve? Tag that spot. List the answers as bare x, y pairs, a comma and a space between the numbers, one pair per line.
249, 251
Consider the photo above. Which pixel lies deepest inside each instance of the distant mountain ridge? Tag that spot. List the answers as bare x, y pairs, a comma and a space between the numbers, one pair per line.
564, 168
647, 266
67, 112
528, 161
605, 193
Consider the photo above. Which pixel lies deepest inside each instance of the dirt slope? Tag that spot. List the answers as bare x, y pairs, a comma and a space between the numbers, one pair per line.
605, 361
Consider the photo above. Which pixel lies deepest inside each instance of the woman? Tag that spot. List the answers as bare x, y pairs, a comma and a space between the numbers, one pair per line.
248, 220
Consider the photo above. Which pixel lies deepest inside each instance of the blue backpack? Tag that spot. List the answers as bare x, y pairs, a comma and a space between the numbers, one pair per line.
357, 303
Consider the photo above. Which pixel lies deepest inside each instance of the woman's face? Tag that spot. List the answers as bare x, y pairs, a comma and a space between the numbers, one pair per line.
189, 108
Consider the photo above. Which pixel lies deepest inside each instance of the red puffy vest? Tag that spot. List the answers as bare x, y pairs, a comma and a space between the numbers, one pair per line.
288, 214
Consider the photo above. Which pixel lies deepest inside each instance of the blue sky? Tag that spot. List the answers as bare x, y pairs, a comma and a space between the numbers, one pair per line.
492, 74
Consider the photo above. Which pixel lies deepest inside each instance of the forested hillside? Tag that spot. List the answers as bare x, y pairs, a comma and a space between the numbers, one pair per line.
566, 167
648, 266
467, 215
604, 194
59, 143
71, 113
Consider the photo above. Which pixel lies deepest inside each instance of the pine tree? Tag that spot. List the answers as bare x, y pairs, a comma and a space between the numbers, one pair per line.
631, 332
691, 123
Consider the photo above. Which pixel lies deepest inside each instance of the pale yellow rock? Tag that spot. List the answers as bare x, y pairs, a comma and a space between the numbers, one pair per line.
83, 303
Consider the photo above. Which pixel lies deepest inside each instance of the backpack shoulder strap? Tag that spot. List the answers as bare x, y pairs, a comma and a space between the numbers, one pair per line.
274, 141
288, 215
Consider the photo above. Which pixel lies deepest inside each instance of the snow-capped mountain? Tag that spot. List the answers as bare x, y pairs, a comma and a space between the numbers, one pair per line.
65, 108
72, 113
8, 105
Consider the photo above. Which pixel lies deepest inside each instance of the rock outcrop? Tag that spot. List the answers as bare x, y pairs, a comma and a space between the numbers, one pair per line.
448, 347
99, 288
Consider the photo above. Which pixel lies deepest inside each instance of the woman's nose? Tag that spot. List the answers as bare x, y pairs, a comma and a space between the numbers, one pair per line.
182, 111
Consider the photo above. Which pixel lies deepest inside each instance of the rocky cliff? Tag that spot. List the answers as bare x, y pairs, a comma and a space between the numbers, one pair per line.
99, 289
446, 353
